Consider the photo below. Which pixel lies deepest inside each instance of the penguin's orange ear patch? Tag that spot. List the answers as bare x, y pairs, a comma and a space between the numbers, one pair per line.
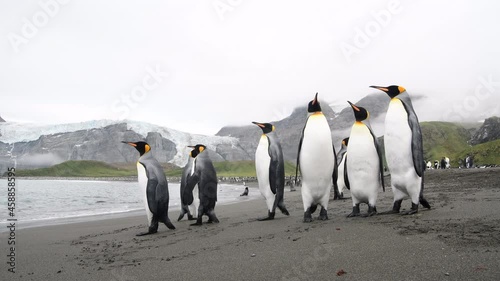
147, 148
201, 149
401, 89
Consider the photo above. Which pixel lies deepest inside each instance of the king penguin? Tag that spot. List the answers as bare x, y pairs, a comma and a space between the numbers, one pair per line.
317, 162
154, 187
403, 150
343, 179
364, 165
203, 174
270, 168
190, 200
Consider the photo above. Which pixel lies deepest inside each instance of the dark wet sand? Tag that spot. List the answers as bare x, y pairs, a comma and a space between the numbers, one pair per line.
458, 239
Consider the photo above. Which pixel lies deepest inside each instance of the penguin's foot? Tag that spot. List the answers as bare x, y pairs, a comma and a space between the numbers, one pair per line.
413, 210
410, 212
323, 215
212, 218
355, 212
424, 203
308, 216
169, 225
283, 210
147, 233
191, 218
180, 217
371, 211
270, 216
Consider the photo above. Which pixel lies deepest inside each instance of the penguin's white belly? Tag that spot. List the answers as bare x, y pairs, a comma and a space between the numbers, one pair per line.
397, 143
262, 162
363, 164
143, 183
340, 178
316, 158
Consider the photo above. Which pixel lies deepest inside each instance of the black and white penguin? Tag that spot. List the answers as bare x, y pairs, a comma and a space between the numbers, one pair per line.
270, 168
317, 162
154, 187
189, 202
343, 179
364, 165
403, 150
203, 174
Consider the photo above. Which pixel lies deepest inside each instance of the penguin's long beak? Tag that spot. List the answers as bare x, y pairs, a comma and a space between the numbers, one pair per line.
191, 146
353, 106
259, 124
384, 89
315, 100
130, 143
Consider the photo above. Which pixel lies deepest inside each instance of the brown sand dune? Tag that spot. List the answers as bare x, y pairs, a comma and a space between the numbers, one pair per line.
458, 239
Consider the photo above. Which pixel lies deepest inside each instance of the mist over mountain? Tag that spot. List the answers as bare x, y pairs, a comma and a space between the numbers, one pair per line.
34, 146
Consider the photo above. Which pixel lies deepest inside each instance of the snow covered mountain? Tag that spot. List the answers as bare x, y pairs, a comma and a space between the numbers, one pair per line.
36, 145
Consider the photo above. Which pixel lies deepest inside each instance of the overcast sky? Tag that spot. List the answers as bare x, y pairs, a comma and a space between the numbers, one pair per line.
198, 65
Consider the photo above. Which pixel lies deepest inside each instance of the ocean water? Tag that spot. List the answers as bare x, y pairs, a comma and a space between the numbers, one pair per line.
41, 202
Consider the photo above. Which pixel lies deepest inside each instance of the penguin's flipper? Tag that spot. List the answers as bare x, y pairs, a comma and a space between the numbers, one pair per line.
346, 178
380, 162
416, 135
298, 153
274, 178
210, 190
151, 195
335, 176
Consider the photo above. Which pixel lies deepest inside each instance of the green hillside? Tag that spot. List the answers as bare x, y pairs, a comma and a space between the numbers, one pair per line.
79, 169
444, 139
483, 154
244, 169
100, 169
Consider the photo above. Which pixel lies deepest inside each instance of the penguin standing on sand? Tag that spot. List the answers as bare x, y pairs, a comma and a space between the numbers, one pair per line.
270, 168
188, 207
343, 179
154, 187
202, 174
403, 150
364, 165
317, 162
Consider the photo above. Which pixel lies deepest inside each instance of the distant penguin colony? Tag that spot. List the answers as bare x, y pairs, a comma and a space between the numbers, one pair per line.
359, 168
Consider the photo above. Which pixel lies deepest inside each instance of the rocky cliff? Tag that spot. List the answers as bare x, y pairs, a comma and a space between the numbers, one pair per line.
489, 131
103, 143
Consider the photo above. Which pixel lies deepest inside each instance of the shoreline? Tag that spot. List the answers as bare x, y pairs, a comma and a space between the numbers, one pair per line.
455, 240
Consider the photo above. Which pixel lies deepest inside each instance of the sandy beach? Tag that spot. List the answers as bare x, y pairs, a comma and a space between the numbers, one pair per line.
458, 239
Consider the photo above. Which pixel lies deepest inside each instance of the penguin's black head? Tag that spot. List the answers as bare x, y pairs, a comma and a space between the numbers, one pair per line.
197, 149
266, 127
392, 91
359, 112
313, 105
345, 141
141, 146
